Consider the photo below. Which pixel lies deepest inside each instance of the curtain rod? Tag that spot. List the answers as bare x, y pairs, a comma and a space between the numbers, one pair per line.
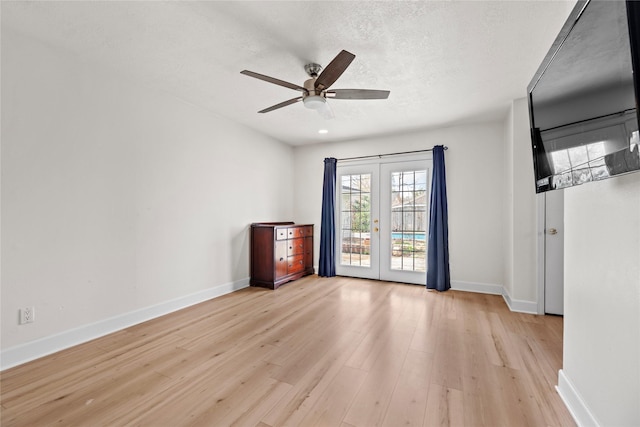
389, 154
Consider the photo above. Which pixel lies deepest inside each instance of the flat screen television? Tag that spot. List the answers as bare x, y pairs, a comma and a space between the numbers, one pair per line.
583, 100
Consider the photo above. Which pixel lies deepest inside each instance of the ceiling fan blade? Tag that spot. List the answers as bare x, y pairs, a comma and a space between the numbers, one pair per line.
282, 104
273, 80
357, 94
330, 74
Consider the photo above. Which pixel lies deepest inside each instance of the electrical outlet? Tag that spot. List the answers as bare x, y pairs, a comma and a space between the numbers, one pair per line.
27, 315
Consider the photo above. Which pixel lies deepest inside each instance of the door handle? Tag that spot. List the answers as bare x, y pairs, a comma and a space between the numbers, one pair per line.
552, 231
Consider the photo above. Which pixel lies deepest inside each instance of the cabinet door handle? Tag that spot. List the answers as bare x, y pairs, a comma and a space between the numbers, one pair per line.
281, 259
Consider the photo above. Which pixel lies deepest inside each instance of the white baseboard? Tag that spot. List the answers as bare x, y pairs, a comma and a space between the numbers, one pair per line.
519, 306
574, 403
23, 353
480, 288
530, 307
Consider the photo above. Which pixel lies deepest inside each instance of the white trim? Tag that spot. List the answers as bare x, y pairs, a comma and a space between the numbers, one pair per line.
371, 168
519, 306
378, 269
386, 214
480, 288
574, 402
542, 217
42, 347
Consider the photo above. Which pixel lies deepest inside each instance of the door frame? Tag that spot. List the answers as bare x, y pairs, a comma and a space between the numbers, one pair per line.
355, 167
377, 162
541, 231
541, 203
387, 273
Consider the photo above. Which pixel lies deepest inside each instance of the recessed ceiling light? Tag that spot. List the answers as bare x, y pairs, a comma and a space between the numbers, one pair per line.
323, 131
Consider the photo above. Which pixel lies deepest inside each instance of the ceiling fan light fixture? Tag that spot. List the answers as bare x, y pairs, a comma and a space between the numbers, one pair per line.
314, 102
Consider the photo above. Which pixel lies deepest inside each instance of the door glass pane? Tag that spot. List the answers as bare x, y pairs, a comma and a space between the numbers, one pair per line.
356, 220
408, 220
421, 180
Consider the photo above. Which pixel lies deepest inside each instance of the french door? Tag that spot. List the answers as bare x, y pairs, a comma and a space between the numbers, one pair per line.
382, 219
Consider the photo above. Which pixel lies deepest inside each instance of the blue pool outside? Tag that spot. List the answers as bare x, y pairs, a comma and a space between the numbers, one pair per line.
408, 236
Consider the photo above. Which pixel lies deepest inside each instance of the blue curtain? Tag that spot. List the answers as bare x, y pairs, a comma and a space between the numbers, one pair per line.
327, 266
438, 245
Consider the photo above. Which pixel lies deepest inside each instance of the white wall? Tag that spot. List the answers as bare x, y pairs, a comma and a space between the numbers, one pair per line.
474, 166
520, 247
601, 362
116, 197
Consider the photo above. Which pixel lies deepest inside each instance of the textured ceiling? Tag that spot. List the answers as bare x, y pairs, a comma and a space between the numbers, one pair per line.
444, 62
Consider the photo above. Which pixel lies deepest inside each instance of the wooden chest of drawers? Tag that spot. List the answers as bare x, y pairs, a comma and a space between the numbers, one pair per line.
280, 252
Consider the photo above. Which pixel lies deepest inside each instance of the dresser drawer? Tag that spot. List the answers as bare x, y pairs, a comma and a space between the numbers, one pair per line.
296, 264
295, 247
307, 231
294, 232
281, 233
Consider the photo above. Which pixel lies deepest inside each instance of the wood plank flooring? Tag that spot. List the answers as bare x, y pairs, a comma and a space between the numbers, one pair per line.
316, 352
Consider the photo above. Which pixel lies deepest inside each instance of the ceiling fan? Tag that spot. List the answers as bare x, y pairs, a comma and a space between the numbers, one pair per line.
315, 91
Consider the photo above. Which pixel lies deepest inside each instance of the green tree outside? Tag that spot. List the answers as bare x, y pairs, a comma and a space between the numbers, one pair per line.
361, 215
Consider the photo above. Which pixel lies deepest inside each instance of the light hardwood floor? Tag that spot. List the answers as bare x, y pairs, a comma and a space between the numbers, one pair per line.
316, 352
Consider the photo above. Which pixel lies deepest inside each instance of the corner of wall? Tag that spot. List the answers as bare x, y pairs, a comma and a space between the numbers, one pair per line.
507, 246
522, 208
519, 306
